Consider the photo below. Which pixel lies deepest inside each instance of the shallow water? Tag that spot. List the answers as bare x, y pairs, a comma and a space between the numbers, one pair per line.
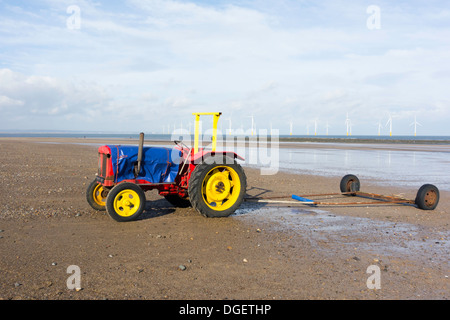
392, 167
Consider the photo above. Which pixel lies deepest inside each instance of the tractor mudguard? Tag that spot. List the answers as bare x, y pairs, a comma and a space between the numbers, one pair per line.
201, 156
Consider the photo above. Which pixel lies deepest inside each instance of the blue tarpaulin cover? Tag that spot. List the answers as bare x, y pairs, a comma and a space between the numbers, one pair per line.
159, 165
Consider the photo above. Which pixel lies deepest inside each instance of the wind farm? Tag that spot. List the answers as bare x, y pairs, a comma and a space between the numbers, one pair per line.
314, 128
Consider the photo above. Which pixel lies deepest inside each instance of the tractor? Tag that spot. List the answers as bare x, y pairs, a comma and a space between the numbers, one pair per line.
210, 181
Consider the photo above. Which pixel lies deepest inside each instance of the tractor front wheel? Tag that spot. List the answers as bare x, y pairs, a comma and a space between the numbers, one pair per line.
125, 202
96, 196
217, 187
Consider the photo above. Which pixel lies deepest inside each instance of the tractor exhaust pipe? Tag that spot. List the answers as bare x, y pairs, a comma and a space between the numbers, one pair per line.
137, 168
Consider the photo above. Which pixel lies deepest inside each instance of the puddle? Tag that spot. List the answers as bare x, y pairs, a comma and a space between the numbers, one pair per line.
327, 231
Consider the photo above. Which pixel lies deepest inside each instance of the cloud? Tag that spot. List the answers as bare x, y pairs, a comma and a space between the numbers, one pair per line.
8, 103
177, 102
48, 97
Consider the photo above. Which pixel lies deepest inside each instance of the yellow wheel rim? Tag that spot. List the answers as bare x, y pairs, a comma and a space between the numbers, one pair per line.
221, 187
127, 203
98, 195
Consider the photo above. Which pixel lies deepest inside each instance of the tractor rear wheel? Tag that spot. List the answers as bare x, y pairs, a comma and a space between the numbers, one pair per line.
96, 196
125, 202
217, 187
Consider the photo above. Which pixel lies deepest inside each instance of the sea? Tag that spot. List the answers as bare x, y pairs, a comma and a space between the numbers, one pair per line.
168, 137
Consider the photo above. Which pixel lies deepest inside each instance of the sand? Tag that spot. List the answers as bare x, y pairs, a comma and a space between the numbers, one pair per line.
270, 252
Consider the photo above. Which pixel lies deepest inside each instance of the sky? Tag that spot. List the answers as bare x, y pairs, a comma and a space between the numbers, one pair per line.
147, 65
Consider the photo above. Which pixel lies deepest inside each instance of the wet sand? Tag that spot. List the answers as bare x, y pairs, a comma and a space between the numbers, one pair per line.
264, 251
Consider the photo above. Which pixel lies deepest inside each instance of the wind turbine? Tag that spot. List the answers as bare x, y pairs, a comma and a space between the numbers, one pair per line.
349, 125
307, 129
390, 125
252, 122
379, 128
229, 121
327, 126
290, 128
315, 127
415, 123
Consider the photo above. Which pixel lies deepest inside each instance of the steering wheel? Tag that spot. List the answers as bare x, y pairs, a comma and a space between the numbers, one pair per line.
181, 144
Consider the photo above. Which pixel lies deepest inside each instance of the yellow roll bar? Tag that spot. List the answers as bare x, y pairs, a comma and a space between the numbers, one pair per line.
197, 115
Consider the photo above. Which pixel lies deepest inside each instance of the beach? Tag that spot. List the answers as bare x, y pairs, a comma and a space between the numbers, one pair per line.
264, 251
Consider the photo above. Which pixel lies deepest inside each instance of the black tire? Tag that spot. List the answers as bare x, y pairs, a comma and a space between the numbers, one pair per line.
350, 183
96, 196
199, 181
427, 197
125, 202
178, 201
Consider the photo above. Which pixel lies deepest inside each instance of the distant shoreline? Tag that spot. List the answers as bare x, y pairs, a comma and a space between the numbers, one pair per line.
433, 140
362, 140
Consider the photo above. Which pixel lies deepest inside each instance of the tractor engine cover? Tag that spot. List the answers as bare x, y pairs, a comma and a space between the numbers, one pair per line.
158, 165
